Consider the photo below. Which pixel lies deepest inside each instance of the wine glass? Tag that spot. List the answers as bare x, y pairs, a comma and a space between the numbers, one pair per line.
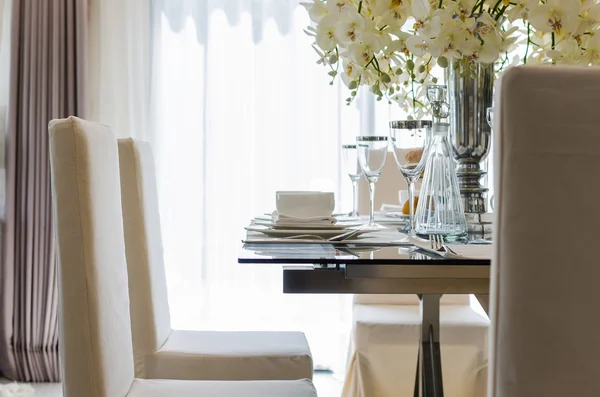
372, 152
409, 143
351, 166
489, 116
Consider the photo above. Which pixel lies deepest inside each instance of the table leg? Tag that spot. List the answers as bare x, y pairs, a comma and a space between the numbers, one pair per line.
430, 356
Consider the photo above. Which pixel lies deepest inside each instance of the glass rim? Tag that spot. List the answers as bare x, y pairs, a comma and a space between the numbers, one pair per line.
371, 138
410, 124
349, 146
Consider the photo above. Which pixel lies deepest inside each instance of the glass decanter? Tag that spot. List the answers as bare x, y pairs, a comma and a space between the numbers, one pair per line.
440, 210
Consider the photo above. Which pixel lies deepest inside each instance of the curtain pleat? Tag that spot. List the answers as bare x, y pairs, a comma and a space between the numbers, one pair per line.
261, 11
47, 74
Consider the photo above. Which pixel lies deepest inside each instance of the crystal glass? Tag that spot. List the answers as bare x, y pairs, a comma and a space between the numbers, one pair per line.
372, 152
440, 210
409, 140
352, 168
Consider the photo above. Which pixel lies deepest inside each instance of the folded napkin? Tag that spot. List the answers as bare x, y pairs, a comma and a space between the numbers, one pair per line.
470, 251
282, 219
385, 208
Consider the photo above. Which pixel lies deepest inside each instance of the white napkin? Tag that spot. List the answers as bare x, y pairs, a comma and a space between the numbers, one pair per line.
385, 208
471, 251
282, 219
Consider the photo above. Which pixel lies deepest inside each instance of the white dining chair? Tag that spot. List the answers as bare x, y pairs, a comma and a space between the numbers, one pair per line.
385, 340
160, 351
544, 297
95, 331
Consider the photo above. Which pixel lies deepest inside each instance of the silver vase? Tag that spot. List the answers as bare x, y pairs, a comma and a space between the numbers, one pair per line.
470, 95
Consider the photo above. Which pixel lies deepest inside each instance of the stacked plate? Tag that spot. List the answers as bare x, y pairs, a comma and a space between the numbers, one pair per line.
292, 228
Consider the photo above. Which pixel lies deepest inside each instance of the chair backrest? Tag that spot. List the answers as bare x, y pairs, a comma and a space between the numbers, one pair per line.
544, 299
386, 190
150, 318
95, 333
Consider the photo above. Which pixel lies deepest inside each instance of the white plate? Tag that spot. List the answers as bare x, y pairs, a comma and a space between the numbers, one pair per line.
339, 226
396, 215
325, 233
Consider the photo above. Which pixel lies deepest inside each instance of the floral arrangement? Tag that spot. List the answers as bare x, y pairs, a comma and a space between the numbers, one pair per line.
393, 45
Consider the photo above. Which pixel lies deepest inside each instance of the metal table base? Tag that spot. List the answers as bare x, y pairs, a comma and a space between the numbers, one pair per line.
428, 382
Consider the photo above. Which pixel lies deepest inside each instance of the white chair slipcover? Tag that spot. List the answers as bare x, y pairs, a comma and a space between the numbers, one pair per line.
385, 340
545, 271
161, 352
385, 333
95, 331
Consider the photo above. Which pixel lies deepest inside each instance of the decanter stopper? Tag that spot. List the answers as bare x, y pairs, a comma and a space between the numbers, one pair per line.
437, 94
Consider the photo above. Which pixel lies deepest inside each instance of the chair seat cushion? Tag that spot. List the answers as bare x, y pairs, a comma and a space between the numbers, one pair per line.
174, 388
385, 348
216, 355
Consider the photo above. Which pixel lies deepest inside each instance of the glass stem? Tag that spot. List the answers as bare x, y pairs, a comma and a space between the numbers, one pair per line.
372, 203
411, 209
354, 198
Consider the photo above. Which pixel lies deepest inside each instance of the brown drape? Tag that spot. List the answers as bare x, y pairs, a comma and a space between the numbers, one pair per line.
47, 75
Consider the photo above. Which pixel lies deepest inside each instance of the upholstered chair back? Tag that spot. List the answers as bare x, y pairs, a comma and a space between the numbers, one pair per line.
95, 334
150, 318
545, 271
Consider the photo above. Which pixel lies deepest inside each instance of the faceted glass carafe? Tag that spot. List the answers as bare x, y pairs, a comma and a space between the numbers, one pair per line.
440, 211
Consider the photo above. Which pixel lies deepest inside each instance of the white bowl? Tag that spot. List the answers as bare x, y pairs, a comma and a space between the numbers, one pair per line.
305, 204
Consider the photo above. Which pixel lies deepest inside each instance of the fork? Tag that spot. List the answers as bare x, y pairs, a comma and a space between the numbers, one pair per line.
438, 244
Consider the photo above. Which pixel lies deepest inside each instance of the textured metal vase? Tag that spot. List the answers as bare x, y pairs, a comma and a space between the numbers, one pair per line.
470, 134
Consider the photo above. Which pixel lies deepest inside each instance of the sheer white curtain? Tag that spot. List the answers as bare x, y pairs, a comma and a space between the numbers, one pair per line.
241, 110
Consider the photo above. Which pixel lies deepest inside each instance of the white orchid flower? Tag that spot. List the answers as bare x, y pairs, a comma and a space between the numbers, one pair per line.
316, 10
420, 9
336, 7
325, 35
349, 27
362, 52
350, 72
520, 10
557, 16
417, 45
593, 49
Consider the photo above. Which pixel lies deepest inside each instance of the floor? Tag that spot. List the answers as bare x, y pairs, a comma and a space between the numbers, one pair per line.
326, 383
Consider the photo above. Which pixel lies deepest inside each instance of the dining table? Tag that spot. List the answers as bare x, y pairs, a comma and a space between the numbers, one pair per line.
386, 262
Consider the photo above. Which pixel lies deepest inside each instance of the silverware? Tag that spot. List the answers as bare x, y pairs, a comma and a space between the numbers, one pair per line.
438, 244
